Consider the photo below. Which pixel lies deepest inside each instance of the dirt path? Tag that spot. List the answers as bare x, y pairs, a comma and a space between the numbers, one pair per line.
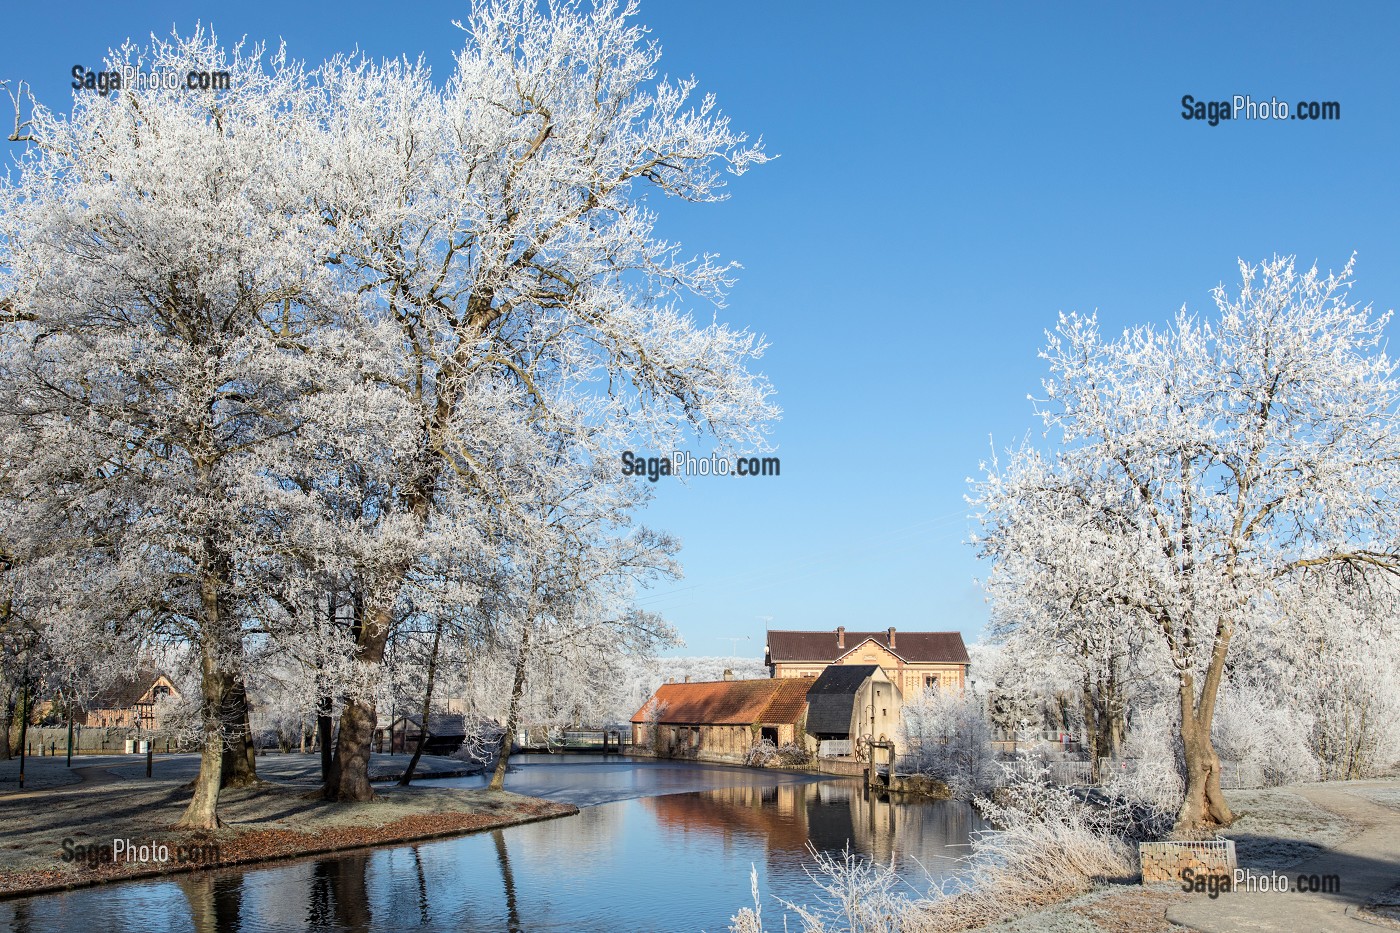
1366, 866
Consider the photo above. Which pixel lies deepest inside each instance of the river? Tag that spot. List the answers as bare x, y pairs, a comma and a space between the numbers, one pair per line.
656, 845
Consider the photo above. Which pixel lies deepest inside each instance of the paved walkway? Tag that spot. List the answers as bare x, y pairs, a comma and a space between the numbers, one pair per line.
52, 773
1367, 865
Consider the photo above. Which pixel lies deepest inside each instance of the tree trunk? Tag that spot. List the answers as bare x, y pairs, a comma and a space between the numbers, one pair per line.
24, 704
424, 733
7, 723
239, 766
498, 777
1204, 807
324, 737
349, 773
214, 684
1102, 704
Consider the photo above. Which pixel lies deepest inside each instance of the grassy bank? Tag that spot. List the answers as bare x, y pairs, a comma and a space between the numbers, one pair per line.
269, 821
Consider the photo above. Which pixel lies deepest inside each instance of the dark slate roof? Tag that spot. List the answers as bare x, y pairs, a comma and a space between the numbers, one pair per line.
842, 678
127, 690
440, 724
831, 698
945, 647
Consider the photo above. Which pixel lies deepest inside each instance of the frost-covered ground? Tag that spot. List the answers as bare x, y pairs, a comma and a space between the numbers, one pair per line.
1276, 828
1389, 796
1111, 909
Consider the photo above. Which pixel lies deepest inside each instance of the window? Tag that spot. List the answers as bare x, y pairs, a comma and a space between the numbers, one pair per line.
930, 681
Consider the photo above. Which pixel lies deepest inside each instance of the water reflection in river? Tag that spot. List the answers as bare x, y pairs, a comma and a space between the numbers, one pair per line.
674, 862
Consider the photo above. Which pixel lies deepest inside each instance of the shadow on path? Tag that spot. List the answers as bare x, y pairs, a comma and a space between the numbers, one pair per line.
1366, 865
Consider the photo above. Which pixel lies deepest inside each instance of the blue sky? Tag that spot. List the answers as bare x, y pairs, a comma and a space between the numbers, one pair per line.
951, 176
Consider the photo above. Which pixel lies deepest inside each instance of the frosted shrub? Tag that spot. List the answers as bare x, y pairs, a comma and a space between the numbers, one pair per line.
794, 755
1257, 733
761, 754
946, 737
857, 896
1150, 775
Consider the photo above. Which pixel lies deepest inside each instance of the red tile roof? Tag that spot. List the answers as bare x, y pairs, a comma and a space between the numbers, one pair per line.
917, 647
731, 702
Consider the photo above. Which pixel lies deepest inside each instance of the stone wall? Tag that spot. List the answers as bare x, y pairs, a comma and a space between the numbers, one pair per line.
848, 766
1166, 862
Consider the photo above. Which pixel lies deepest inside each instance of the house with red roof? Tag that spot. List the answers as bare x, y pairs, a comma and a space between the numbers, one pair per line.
720, 720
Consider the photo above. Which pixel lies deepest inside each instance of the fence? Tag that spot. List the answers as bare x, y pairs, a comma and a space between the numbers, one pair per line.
1234, 775
1069, 773
834, 748
580, 739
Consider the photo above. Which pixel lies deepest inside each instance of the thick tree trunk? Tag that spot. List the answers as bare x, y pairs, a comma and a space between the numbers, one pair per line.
498, 777
1204, 807
240, 767
215, 684
349, 774
424, 733
349, 777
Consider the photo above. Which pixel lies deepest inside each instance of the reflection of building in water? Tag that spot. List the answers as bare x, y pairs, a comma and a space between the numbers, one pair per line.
850, 812
829, 815
776, 813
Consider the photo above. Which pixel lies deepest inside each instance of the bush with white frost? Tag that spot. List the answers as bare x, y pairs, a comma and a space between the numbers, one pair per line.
945, 736
1267, 741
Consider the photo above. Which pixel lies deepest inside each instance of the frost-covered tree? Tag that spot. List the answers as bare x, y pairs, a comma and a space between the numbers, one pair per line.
164, 291
1197, 470
498, 235
1087, 656
945, 735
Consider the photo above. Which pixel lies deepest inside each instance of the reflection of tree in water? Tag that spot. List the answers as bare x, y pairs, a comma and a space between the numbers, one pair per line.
508, 881
21, 918
216, 901
829, 815
340, 895
422, 886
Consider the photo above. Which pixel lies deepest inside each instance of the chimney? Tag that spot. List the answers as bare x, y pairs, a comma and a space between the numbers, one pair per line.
891, 637
841, 637
670, 680
687, 678
728, 674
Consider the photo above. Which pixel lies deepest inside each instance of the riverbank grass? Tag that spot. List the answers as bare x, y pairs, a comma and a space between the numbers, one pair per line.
268, 821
